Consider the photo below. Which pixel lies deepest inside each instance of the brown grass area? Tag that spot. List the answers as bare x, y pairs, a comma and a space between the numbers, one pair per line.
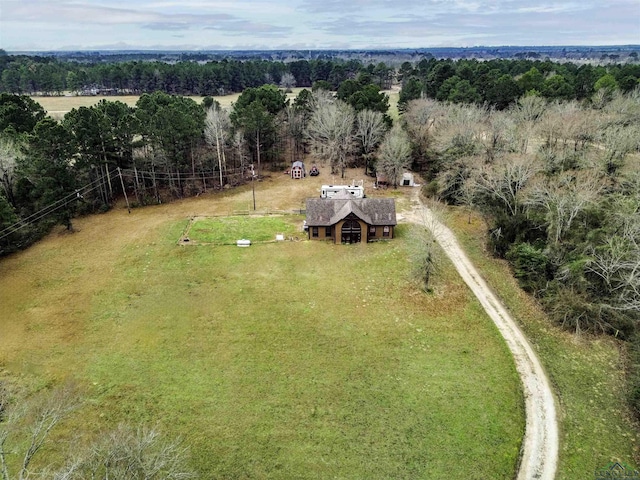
102, 238
58, 106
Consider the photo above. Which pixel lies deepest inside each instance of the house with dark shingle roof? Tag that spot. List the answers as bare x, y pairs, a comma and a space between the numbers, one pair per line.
343, 219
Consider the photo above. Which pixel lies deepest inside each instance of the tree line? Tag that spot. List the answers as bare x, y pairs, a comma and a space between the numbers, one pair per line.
499, 83
30, 75
495, 82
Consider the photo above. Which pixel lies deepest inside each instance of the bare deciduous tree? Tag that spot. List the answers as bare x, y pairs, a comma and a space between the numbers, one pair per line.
504, 181
47, 412
526, 114
122, 454
555, 127
240, 148
370, 130
287, 80
216, 132
564, 197
459, 128
331, 131
616, 260
566, 127
617, 141
294, 124
420, 119
125, 454
424, 252
394, 155
496, 135
625, 107
9, 155
617, 264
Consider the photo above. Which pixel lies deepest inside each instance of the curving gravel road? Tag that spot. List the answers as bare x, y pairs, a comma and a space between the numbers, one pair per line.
539, 451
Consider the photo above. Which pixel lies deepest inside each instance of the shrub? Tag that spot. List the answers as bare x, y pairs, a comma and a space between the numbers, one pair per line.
579, 311
430, 190
530, 265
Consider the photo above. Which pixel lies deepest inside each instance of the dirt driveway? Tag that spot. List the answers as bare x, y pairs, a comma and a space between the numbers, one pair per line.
539, 451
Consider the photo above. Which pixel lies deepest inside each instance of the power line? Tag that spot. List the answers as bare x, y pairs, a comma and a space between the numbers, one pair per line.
62, 200
169, 176
49, 209
65, 199
101, 182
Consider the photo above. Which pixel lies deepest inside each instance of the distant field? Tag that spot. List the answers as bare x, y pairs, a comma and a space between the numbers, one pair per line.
59, 105
282, 360
394, 96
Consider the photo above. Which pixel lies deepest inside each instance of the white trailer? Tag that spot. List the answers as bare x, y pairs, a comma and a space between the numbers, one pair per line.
330, 191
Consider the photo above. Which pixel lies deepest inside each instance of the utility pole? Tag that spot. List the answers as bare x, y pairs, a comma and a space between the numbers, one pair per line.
253, 187
126, 199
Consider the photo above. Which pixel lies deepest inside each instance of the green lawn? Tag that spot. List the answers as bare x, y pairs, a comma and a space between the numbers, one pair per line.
227, 230
284, 360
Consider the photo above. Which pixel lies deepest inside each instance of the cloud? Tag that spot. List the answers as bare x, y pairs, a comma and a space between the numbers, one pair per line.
314, 24
243, 28
384, 11
162, 26
64, 12
567, 23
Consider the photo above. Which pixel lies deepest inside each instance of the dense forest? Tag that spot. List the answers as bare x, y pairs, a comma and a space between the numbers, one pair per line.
496, 82
547, 152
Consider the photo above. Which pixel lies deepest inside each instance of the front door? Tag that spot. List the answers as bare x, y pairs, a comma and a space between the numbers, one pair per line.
351, 232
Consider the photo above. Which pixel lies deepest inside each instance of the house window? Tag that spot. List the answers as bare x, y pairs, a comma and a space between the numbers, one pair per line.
327, 232
372, 230
314, 232
385, 231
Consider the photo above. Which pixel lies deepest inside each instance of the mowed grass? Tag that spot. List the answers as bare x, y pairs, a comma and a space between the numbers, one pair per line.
282, 360
587, 372
227, 230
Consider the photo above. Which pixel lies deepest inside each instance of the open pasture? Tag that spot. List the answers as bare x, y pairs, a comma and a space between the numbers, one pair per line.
282, 360
58, 106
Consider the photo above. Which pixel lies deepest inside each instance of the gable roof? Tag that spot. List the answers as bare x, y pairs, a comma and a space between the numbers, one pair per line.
329, 211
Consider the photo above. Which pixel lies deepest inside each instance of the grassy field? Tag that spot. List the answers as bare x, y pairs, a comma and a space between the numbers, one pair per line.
587, 372
282, 360
227, 230
59, 105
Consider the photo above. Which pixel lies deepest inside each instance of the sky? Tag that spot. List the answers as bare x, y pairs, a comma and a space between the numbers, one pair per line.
44, 25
